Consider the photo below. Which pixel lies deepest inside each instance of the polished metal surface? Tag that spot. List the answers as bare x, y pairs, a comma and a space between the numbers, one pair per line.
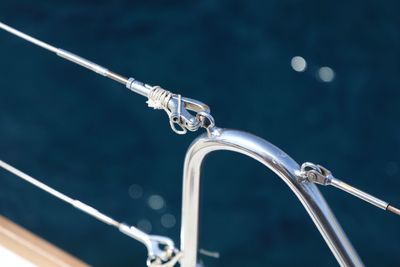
65, 54
28, 37
83, 62
314, 173
178, 108
393, 209
360, 194
277, 161
184, 115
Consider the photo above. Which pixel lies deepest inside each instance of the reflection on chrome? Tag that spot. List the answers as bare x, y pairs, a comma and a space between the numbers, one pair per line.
277, 161
185, 115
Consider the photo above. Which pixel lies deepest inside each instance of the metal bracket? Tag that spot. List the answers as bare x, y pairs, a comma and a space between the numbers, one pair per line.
180, 109
185, 114
160, 249
169, 263
315, 173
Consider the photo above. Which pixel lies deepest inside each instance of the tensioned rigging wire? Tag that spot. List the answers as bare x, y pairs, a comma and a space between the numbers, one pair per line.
66, 55
102, 71
75, 203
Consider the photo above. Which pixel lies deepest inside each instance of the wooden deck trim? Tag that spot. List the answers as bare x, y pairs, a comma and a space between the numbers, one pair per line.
33, 248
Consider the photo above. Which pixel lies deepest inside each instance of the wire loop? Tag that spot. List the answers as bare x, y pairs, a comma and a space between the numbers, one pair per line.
179, 110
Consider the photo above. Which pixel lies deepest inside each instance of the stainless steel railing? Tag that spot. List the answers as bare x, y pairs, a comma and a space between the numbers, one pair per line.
277, 161
187, 114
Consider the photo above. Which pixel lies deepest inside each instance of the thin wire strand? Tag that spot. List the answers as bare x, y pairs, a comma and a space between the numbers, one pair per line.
67, 55
28, 38
36, 183
393, 209
75, 203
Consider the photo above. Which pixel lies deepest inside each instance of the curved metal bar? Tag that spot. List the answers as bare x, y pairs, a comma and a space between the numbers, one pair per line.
281, 164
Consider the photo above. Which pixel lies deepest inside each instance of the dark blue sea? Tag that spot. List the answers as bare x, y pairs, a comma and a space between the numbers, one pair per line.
319, 79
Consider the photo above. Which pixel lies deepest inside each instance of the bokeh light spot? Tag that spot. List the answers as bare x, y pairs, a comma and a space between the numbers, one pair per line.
168, 220
326, 74
298, 64
156, 202
135, 191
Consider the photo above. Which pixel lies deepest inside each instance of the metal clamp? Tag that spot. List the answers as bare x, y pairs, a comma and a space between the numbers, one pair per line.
169, 263
180, 109
161, 250
315, 173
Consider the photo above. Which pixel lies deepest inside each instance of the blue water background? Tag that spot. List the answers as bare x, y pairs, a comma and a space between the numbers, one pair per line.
93, 139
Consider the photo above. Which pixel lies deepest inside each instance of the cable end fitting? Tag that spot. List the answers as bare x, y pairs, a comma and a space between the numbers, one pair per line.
393, 209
